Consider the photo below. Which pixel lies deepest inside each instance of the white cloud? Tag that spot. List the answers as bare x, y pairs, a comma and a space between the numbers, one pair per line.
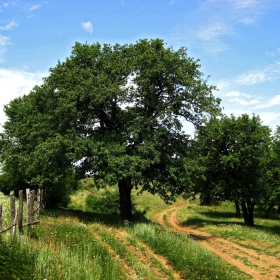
4, 41
270, 103
239, 4
249, 78
244, 4
233, 94
15, 83
87, 26
9, 26
269, 73
215, 30
35, 7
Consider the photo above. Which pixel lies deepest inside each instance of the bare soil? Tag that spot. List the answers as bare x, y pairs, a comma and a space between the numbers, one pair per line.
143, 253
250, 261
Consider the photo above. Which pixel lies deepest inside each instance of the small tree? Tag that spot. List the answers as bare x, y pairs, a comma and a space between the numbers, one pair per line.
112, 112
235, 153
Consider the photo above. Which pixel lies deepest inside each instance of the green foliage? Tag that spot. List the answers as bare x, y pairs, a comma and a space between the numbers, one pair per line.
16, 262
113, 112
235, 155
108, 202
8, 182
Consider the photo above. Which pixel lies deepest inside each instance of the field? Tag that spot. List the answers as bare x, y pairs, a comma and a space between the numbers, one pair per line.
180, 241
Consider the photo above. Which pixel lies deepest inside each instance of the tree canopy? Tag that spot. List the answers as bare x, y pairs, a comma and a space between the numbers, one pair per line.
235, 153
112, 112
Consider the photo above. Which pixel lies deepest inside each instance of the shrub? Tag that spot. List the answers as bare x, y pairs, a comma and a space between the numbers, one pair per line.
108, 202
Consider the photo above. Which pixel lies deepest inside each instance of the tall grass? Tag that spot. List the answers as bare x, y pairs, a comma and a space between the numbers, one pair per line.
16, 262
185, 255
67, 250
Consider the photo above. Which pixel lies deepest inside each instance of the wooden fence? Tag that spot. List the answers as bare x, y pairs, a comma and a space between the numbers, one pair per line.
33, 204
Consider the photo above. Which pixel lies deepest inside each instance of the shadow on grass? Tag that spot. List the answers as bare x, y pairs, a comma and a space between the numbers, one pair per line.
91, 217
199, 223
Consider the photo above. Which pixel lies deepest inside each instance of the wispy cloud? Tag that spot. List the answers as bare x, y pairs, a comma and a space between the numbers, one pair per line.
209, 37
9, 26
35, 7
87, 26
270, 103
274, 53
241, 98
244, 4
219, 23
213, 31
269, 73
4, 41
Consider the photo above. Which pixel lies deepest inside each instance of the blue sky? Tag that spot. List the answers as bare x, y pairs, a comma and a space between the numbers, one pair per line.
237, 42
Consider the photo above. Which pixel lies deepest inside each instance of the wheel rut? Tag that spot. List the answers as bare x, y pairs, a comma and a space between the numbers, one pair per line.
259, 266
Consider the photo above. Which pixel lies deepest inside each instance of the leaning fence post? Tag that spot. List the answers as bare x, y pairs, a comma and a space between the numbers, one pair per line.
20, 214
13, 212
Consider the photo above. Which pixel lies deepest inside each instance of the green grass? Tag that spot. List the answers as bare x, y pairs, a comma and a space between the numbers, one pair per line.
81, 242
67, 250
220, 220
15, 255
185, 255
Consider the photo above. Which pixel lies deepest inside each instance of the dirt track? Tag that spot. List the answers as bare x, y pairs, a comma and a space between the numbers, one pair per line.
259, 266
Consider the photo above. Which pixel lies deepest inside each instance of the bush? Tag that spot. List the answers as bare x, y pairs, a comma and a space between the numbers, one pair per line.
108, 202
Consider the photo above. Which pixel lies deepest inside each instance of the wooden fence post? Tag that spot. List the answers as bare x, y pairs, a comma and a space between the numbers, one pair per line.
17, 214
31, 203
20, 212
13, 212
1, 217
27, 205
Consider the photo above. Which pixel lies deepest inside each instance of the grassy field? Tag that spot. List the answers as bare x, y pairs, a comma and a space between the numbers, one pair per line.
220, 220
88, 241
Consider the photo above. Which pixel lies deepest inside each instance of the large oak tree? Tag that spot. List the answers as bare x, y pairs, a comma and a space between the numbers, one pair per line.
114, 113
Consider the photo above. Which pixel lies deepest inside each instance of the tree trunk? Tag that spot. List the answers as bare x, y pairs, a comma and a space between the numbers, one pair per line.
237, 209
250, 206
268, 210
125, 198
248, 212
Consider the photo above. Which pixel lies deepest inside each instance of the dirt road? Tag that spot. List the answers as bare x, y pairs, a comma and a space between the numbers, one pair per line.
259, 266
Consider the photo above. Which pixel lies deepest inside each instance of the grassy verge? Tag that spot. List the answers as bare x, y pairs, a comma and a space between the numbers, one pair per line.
188, 257
67, 250
220, 220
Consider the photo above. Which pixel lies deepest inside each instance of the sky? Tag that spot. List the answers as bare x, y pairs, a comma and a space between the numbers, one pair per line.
236, 41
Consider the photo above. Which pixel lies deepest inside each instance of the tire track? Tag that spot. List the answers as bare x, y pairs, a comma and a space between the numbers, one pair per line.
146, 256
249, 261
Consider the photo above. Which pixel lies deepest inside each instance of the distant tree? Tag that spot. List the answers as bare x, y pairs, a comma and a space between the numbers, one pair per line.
114, 113
271, 197
234, 153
